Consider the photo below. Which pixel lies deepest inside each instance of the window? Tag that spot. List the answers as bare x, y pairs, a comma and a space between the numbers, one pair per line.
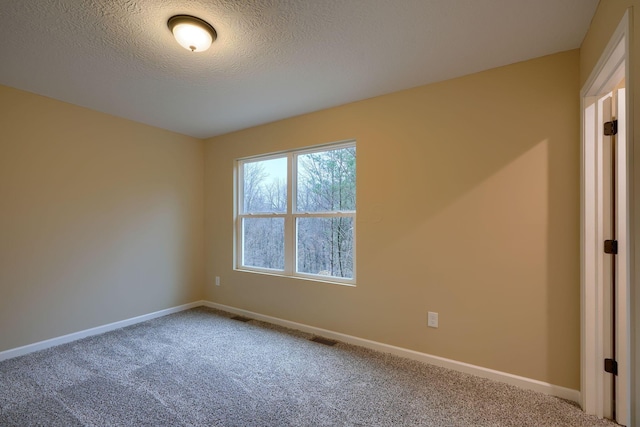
296, 213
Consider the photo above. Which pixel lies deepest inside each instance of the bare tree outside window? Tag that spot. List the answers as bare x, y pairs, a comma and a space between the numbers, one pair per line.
263, 241
326, 184
265, 186
318, 218
264, 191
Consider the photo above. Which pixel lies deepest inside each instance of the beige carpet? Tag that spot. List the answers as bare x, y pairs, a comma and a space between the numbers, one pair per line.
202, 368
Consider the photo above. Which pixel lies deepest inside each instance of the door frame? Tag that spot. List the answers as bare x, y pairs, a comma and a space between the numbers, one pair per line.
613, 66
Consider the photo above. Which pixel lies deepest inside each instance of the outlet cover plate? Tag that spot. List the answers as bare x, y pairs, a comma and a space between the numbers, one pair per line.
432, 319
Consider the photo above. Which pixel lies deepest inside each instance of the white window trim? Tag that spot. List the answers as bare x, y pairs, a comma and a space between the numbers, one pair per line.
290, 217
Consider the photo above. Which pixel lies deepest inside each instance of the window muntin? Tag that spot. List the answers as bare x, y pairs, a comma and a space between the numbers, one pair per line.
296, 213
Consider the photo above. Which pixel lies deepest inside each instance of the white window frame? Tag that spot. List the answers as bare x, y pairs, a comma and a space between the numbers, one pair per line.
290, 216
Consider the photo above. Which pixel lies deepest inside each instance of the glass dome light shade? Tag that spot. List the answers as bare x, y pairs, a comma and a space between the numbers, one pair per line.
192, 33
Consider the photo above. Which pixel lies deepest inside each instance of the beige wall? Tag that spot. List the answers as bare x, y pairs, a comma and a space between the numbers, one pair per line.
468, 205
101, 219
604, 23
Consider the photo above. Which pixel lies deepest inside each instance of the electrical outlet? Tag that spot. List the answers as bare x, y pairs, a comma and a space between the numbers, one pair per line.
432, 319
217, 280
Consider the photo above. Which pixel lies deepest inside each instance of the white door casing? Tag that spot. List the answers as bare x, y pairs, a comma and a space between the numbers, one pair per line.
611, 69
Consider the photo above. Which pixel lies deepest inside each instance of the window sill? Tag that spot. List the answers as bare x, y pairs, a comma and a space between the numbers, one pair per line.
319, 279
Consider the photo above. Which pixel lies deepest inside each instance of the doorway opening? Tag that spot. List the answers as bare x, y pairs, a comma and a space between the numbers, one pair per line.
605, 236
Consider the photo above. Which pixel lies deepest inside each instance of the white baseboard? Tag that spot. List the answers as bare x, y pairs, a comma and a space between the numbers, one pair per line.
20, 351
522, 382
504, 377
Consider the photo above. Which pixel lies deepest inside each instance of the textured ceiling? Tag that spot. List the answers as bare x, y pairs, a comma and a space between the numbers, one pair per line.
273, 58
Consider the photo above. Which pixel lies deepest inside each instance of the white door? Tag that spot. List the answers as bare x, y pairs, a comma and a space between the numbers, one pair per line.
611, 117
608, 193
605, 206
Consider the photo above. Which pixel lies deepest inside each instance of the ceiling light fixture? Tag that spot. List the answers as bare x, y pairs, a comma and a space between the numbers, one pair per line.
192, 33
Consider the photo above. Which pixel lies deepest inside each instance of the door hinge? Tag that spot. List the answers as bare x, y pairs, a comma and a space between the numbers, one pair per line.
611, 247
611, 128
611, 366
